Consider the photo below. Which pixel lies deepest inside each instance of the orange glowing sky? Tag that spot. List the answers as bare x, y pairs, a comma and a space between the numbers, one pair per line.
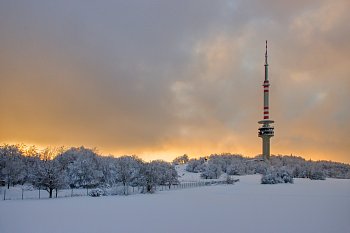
163, 78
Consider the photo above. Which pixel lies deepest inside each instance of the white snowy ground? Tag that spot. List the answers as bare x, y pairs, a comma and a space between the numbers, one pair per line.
185, 176
247, 206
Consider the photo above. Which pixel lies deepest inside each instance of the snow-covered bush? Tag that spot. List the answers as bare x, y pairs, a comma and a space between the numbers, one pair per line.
211, 171
276, 177
230, 180
236, 169
317, 175
97, 193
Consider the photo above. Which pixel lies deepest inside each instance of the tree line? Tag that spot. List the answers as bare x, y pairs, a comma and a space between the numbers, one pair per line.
58, 168
79, 167
213, 166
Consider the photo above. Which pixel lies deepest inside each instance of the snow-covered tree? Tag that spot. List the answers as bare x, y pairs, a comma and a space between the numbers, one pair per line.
181, 159
47, 174
108, 169
166, 173
68, 157
196, 165
236, 168
11, 164
317, 174
85, 171
30, 159
127, 170
157, 172
211, 171
171, 176
148, 177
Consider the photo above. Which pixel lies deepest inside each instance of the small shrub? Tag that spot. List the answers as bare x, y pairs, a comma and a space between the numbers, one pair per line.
317, 175
230, 180
97, 193
276, 177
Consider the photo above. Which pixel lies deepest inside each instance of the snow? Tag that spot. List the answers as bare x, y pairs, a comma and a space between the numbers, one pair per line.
185, 176
246, 206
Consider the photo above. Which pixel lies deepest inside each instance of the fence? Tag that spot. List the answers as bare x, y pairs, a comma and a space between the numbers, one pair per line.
18, 193
21, 193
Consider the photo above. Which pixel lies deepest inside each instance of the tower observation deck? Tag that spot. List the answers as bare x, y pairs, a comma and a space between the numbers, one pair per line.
266, 131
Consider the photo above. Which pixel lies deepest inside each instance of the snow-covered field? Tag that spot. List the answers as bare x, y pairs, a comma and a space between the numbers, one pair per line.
247, 206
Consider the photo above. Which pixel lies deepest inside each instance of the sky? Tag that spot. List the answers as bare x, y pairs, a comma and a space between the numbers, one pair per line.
163, 78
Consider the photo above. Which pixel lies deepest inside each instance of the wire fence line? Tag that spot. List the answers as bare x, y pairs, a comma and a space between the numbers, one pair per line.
25, 193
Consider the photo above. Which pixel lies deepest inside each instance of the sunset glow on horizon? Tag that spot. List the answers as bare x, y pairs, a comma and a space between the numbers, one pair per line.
160, 79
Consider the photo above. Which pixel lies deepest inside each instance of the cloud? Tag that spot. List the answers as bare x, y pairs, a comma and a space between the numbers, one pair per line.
176, 77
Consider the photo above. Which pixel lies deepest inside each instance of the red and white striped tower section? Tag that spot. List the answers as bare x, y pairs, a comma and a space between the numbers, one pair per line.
266, 131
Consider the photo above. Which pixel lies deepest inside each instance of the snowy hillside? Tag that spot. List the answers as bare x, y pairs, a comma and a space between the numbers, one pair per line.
247, 206
185, 176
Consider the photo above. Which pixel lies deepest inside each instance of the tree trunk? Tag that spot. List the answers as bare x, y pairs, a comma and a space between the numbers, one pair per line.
56, 193
149, 188
124, 186
8, 185
50, 193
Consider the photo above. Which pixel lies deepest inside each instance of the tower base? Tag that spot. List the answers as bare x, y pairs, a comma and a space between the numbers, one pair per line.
266, 147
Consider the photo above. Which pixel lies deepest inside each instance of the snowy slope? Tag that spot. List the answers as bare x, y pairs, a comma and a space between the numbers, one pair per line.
247, 206
185, 176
